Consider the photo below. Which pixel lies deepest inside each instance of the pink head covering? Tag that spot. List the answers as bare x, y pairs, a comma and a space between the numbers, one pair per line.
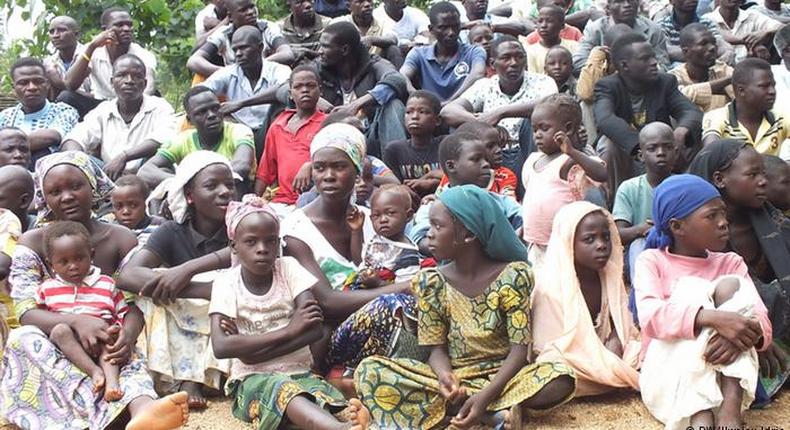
250, 203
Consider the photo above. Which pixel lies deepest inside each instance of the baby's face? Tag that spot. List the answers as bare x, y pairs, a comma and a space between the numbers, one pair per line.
70, 258
389, 214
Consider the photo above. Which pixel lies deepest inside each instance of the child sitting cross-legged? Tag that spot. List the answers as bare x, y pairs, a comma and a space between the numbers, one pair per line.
558, 173
265, 319
473, 313
702, 318
389, 256
79, 288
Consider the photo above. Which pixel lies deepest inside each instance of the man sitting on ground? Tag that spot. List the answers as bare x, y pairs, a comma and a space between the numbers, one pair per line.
636, 95
751, 117
409, 23
45, 123
115, 40
744, 29
683, 14
702, 78
64, 33
250, 85
128, 129
211, 133
379, 41
447, 67
358, 84
302, 28
622, 12
242, 13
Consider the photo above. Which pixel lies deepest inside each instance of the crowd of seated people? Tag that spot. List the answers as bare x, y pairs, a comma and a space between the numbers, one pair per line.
371, 215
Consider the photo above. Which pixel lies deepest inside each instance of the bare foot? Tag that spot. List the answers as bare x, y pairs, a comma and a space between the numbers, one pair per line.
164, 414
113, 392
196, 399
360, 416
97, 377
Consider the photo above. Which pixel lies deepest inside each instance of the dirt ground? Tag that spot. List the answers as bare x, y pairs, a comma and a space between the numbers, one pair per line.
621, 410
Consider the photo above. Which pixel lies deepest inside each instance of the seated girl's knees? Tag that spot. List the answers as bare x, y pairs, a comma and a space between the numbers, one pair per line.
725, 289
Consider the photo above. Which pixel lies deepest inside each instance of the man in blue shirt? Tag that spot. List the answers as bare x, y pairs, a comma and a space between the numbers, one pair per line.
447, 67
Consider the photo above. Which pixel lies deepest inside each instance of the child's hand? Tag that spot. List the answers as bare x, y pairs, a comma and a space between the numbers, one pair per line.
355, 218
564, 142
645, 227
450, 388
772, 361
306, 317
471, 413
721, 351
228, 326
428, 199
741, 331
369, 278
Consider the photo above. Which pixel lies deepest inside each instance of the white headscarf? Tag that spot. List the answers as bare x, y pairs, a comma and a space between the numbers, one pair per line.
189, 167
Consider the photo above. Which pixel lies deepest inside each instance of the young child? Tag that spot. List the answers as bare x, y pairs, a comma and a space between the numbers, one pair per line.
701, 315
389, 256
551, 21
777, 190
16, 193
482, 35
80, 288
559, 66
558, 173
464, 160
415, 161
129, 208
580, 303
473, 313
503, 180
266, 320
568, 31
633, 202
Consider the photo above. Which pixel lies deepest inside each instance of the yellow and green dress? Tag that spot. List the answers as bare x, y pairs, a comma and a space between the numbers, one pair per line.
478, 331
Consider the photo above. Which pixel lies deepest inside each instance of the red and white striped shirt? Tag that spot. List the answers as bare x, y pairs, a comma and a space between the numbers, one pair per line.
95, 296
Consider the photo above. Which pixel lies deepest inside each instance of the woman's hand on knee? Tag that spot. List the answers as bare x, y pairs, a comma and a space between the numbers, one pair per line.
165, 286
92, 333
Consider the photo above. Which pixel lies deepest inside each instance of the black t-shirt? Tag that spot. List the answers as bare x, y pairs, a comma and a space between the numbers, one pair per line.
407, 162
176, 243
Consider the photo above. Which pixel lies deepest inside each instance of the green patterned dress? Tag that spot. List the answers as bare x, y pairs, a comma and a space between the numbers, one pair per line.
404, 393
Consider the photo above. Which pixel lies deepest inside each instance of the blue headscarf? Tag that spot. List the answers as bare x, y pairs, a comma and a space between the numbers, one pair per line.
676, 198
484, 216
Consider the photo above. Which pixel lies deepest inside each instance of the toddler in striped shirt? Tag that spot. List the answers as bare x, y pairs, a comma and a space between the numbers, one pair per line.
79, 288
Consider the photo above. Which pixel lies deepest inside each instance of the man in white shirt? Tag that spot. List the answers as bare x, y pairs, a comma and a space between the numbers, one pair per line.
124, 131
96, 62
64, 33
408, 23
250, 85
744, 29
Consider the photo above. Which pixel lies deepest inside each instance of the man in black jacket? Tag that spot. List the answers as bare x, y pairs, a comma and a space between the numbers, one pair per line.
356, 83
637, 95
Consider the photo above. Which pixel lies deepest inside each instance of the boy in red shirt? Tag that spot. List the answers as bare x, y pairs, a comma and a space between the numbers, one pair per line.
288, 139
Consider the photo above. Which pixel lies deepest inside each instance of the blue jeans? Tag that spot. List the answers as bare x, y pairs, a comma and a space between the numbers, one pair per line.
634, 249
386, 126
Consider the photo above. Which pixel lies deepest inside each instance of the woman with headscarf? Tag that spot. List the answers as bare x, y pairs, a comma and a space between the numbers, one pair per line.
319, 237
40, 388
473, 314
702, 319
580, 306
176, 340
761, 235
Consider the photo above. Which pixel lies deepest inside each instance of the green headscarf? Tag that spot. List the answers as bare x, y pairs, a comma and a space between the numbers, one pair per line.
483, 215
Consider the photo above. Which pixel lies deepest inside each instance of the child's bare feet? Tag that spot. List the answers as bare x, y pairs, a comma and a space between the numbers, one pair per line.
164, 414
197, 401
360, 416
97, 377
113, 392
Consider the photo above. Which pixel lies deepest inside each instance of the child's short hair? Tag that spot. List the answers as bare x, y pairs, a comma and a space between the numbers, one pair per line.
306, 68
564, 107
133, 181
555, 10
433, 101
400, 190
451, 146
59, 229
773, 163
475, 127
559, 48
